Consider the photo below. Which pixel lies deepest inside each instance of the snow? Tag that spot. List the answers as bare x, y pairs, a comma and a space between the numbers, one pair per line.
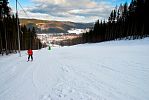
116, 70
78, 31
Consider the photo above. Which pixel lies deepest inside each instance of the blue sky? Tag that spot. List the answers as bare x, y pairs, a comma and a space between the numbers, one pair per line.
67, 10
24, 3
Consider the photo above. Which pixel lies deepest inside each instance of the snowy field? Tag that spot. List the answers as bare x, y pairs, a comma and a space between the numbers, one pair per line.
117, 70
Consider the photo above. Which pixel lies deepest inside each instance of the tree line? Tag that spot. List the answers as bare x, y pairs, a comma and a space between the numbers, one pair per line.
125, 22
9, 32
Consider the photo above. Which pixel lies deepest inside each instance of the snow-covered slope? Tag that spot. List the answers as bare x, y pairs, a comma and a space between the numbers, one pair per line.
117, 70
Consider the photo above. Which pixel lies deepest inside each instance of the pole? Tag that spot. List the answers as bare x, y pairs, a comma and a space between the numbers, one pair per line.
18, 29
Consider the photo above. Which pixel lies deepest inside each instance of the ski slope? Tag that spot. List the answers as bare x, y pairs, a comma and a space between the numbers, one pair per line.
116, 70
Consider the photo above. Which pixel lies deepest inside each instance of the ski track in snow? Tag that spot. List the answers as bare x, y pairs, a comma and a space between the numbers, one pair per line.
105, 71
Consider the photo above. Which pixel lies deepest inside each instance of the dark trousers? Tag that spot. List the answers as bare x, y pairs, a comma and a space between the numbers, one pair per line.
30, 56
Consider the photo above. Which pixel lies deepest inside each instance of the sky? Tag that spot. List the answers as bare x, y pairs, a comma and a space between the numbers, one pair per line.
67, 10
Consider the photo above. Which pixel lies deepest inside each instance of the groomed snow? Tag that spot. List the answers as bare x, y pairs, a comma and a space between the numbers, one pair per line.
116, 70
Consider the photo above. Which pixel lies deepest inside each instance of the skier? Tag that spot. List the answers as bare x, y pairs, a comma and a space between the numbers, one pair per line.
49, 48
30, 54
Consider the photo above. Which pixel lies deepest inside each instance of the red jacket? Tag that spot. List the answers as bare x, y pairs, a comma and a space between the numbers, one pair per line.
30, 52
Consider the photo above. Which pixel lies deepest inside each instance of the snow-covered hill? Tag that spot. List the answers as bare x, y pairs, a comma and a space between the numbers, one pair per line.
117, 70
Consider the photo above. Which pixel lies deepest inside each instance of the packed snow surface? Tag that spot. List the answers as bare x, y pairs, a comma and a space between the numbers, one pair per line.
116, 70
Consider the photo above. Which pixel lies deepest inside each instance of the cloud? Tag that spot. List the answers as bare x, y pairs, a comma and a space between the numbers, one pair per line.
69, 10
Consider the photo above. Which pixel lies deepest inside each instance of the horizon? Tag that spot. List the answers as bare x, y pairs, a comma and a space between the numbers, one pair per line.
84, 11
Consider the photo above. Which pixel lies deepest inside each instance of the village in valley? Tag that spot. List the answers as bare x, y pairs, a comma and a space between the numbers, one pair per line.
59, 38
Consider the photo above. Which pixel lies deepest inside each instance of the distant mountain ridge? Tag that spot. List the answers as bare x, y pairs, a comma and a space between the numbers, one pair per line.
46, 26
